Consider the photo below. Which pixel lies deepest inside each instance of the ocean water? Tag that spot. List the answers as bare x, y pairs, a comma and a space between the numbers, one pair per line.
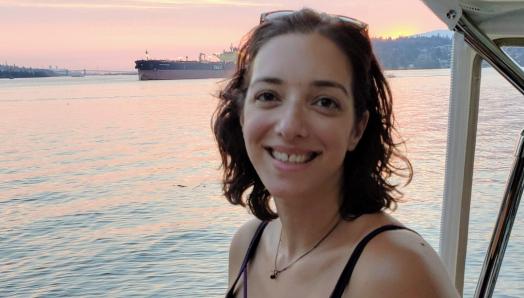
109, 186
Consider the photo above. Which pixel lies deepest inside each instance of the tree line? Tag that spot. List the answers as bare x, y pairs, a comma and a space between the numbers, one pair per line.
421, 52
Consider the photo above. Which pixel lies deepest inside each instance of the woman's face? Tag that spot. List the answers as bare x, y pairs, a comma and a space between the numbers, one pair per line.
298, 119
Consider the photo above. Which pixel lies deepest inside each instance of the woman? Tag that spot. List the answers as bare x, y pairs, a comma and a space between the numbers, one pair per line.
304, 130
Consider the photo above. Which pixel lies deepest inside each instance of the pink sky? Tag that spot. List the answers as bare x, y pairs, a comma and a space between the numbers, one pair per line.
111, 34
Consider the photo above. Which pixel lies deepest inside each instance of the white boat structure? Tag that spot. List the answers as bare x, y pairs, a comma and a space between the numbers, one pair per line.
481, 28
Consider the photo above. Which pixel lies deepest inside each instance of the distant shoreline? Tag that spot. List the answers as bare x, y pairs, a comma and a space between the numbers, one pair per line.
15, 72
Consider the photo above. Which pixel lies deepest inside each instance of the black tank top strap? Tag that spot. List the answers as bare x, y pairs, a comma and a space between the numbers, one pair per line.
249, 254
344, 278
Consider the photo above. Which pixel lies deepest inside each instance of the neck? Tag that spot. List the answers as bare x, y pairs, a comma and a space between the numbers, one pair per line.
305, 221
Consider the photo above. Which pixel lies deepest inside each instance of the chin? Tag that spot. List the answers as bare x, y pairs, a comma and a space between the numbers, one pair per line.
286, 191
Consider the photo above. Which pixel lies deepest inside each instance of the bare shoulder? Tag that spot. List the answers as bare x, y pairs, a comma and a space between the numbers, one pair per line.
400, 263
239, 246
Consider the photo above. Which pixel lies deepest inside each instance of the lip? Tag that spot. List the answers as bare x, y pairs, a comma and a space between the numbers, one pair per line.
291, 150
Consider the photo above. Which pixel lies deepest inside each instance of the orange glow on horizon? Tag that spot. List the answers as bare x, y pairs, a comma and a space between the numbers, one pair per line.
397, 31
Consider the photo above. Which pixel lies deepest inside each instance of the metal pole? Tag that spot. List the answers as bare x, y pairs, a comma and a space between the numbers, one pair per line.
503, 226
491, 52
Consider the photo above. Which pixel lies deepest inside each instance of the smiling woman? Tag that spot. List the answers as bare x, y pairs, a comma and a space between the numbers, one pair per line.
299, 121
306, 121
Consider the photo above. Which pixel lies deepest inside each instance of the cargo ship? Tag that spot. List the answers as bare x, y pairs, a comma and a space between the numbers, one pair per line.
154, 69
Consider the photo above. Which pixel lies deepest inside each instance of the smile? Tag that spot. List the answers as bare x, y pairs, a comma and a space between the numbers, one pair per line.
292, 157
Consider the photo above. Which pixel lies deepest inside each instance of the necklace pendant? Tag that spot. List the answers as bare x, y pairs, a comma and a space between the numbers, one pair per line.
274, 275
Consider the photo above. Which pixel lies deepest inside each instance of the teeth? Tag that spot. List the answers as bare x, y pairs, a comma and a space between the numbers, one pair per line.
292, 158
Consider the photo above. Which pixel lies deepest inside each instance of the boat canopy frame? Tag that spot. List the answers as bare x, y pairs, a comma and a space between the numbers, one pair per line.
474, 22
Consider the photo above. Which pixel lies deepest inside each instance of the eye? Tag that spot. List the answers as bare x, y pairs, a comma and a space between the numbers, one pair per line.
327, 103
266, 96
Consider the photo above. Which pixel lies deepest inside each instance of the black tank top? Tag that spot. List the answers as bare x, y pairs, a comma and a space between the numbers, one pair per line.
345, 276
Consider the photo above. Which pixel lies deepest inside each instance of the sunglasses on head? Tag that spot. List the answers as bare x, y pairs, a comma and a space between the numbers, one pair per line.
271, 15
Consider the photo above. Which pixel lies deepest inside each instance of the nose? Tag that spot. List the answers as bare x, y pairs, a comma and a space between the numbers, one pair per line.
293, 121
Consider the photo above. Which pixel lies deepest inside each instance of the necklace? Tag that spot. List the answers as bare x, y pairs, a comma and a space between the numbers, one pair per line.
276, 271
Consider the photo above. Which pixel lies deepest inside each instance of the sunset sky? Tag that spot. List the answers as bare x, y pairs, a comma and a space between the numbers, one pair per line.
111, 34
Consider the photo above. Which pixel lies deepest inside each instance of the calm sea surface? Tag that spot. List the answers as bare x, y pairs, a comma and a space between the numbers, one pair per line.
109, 186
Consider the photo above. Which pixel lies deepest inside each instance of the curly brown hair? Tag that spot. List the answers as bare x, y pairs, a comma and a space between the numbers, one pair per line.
366, 186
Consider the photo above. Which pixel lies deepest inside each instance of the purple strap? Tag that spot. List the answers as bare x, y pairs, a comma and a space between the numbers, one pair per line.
249, 254
245, 282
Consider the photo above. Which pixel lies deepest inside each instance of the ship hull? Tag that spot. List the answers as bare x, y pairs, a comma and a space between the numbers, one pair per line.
180, 70
182, 74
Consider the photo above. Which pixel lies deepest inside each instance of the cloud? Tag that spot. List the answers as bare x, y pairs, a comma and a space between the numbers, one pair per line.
131, 4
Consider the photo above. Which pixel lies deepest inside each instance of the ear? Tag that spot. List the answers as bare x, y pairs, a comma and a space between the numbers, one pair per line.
241, 119
358, 131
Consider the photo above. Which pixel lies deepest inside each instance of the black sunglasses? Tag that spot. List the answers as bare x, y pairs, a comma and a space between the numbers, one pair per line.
271, 15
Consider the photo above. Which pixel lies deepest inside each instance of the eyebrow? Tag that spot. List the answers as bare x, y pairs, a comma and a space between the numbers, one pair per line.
326, 83
316, 83
269, 80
